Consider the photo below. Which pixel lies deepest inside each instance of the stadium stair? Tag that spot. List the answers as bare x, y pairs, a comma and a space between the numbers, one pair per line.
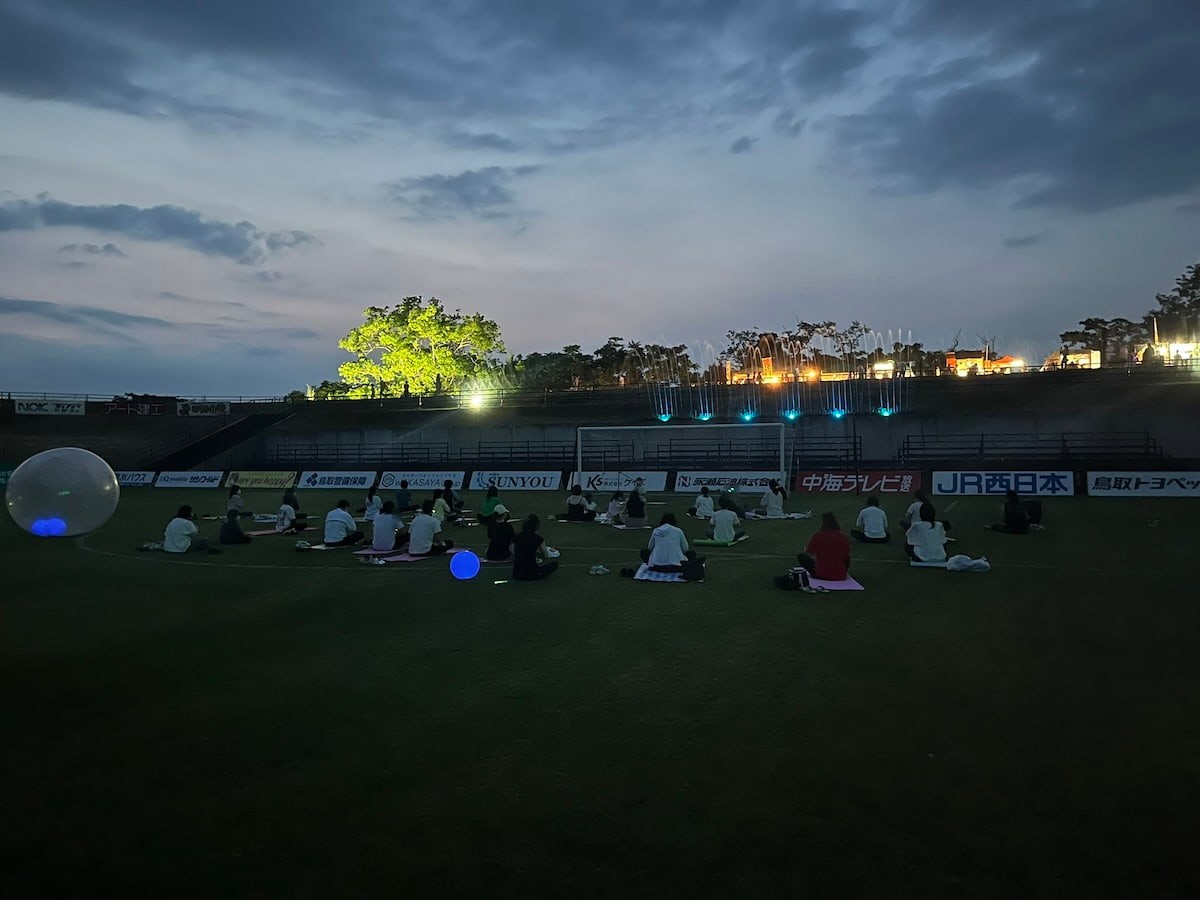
220, 441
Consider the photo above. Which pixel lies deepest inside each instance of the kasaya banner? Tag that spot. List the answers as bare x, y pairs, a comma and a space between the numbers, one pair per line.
516, 481
135, 479
422, 481
189, 479
691, 482
881, 482
253, 480
49, 408
1144, 484
997, 484
334, 480
619, 481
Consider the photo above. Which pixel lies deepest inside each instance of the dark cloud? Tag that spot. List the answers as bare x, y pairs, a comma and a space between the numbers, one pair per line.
265, 277
1083, 106
86, 316
475, 193
787, 124
744, 144
1189, 209
1025, 240
93, 249
242, 242
481, 141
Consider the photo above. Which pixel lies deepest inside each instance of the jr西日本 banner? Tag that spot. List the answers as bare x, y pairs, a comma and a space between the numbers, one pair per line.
1144, 484
997, 484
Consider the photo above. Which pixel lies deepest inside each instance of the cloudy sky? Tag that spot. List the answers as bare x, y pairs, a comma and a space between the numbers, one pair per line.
202, 197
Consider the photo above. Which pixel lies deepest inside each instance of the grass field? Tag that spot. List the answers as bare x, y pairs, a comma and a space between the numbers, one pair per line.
267, 723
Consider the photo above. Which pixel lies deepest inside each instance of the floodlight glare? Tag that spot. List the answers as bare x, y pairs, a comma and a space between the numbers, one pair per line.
476, 401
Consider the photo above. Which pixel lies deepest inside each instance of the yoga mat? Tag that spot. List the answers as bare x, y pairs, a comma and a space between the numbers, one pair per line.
266, 532
926, 565
848, 585
708, 542
637, 528
370, 552
405, 558
789, 517
323, 547
645, 573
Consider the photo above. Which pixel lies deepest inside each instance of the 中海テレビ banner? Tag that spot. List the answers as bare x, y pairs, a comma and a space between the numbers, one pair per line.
890, 482
49, 408
997, 484
135, 479
691, 482
202, 408
516, 481
1144, 484
331, 480
619, 481
252, 480
422, 481
189, 479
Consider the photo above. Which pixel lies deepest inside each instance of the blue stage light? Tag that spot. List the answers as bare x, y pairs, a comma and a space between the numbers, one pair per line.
749, 416
885, 410
464, 565
791, 415
664, 418
704, 417
837, 413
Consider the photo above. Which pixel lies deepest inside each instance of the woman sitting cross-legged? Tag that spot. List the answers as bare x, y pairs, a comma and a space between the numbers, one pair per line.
668, 547
530, 561
389, 531
500, 537
827, 555
925, 540
871, 527
580, 507
725, 522
1016, 517
231, 530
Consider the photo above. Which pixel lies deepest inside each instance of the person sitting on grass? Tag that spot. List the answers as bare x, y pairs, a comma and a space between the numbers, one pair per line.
389, 532
725, 523
340, 528
616, 508
635, 510
703, 507
1016, 518
913, 513
871, 526
182, 535
827, 554
668, 548
580, 507
235, 502
231, 530
491, 502
423, 531
500, 538
530, 562
287, 520
442, 510
451, 498
404, 502
374, 504
772, 500
925, 540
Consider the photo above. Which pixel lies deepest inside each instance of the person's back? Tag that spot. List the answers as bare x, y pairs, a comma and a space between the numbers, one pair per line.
873, 522
231, 530
725, 524
235, 504
635, 508
525, 547
373, 506
177, 538
772, 503
832, 551
339, 525
489, 505
441, 509
928, 541
403, 497
500, 540
422, 530
1016, 519
285, 519
387, 526
668, 546
704, 505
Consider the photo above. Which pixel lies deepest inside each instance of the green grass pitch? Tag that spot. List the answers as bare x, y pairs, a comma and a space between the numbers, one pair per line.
268, 723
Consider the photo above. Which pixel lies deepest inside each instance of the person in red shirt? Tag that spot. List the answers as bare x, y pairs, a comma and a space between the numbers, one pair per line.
827, 555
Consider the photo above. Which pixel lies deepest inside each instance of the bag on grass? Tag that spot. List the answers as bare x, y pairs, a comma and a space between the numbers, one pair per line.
964, 563
796, 580
693, 570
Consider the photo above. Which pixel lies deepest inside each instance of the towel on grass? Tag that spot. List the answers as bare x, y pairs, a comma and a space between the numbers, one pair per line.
849, 584
927, 565
784, 518
709, 542
636, 528
645, 573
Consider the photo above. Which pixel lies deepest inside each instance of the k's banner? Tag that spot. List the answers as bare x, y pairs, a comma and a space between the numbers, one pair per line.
997, 484
619, 481
1144, 484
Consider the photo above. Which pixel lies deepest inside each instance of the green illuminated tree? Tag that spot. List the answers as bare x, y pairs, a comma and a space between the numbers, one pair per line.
418, 346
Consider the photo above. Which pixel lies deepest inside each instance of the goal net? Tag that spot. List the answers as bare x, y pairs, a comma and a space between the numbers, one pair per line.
625, 453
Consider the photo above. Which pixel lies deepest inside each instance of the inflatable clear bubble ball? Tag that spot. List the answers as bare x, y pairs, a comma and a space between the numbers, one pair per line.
62, 493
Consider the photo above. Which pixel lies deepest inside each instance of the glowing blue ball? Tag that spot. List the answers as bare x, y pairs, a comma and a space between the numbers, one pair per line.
464, 565
62, 493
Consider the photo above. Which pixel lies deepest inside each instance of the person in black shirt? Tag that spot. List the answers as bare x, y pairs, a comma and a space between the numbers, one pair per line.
635, 510
450, 497
1016, 519
529, 555
231, 530
500, 539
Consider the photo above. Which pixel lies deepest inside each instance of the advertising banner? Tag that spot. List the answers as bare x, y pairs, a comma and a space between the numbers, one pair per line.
329, 480
691, 482
422, 481
517, 481
189, 479
1143, 484
49, 408
135, 479
198, 408
252, 480
619, 481
997, 484
890, 482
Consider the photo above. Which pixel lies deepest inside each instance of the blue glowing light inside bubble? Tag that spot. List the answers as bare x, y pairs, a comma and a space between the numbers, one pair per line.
48, 527
837, 413
749, 416
704, 417
664, 418
885, 411
791, 415
464, 565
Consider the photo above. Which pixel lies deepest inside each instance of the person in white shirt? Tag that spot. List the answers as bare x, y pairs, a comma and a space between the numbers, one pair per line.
913, 513
389, 533
340, 528
926, 539
703, 508
235, 502
616, 508
423, 532
725, 523
668, 548
182, 535
286, 520
871, 527
772, 500
374, 504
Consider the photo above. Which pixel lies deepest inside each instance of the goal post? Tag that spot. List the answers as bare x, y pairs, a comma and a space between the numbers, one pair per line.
759, 446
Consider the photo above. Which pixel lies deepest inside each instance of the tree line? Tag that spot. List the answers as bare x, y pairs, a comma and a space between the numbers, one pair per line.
419, 347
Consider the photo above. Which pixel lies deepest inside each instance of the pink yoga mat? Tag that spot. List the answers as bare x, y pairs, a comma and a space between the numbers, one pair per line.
266, 532
405, 558
848, 585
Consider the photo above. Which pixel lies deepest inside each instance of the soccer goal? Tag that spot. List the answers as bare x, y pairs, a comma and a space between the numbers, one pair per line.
752, 447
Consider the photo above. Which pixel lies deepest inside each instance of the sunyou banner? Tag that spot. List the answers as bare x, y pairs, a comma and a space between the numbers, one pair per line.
422, 481
691, 482
189, 479
997, 484
516, 481
1144, 484
619, 481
